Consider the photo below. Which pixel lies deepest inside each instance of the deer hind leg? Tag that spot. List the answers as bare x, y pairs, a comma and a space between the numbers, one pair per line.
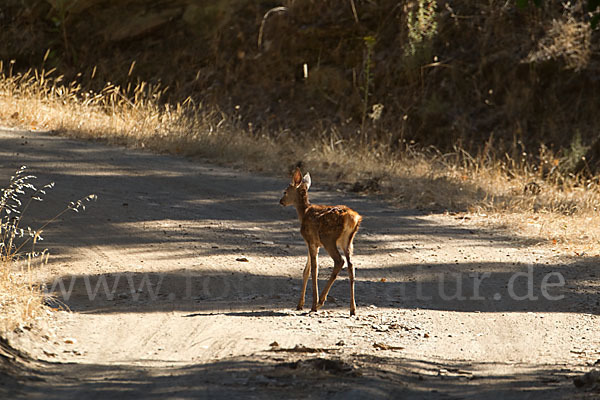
337, 267
351, 277
304, 283
348, 253
314, 271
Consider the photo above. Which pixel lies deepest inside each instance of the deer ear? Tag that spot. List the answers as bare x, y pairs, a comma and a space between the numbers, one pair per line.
306, 180
297, 177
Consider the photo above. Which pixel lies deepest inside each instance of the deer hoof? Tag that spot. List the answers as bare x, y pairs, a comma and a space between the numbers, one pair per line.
352, 312
299, 307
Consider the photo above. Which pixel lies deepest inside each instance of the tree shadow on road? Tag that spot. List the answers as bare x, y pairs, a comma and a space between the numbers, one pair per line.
277, 375
467, 287
177, 203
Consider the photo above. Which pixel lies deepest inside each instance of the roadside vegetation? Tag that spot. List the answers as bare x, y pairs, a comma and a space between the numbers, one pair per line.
21, 299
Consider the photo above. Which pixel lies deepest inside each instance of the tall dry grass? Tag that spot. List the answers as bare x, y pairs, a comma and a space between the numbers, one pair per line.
132, 115
21, 299
534, 197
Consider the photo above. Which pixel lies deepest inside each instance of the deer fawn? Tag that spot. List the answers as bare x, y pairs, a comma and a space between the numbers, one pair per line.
322, 226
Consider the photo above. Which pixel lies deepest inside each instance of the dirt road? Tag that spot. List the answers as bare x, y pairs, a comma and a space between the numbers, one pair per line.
182, 280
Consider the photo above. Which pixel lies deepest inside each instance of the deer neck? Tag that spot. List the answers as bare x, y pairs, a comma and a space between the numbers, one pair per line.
301, 205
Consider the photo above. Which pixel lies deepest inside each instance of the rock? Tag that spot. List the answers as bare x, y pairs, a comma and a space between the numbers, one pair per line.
380, 328
267, 242
49, 353
384, 346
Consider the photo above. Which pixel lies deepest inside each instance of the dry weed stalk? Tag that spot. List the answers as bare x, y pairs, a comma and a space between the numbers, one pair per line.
20, 299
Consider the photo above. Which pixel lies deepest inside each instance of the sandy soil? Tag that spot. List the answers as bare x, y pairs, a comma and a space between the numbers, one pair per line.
182, 281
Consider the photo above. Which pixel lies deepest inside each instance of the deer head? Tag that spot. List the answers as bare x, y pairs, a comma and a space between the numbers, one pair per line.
297, 189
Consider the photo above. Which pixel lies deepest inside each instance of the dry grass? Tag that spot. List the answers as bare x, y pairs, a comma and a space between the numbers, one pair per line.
566, 39
131, 116
20, 301
20, 298
530, 197
556, 211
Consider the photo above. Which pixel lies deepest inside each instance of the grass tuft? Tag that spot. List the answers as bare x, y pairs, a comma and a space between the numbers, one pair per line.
21, 299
